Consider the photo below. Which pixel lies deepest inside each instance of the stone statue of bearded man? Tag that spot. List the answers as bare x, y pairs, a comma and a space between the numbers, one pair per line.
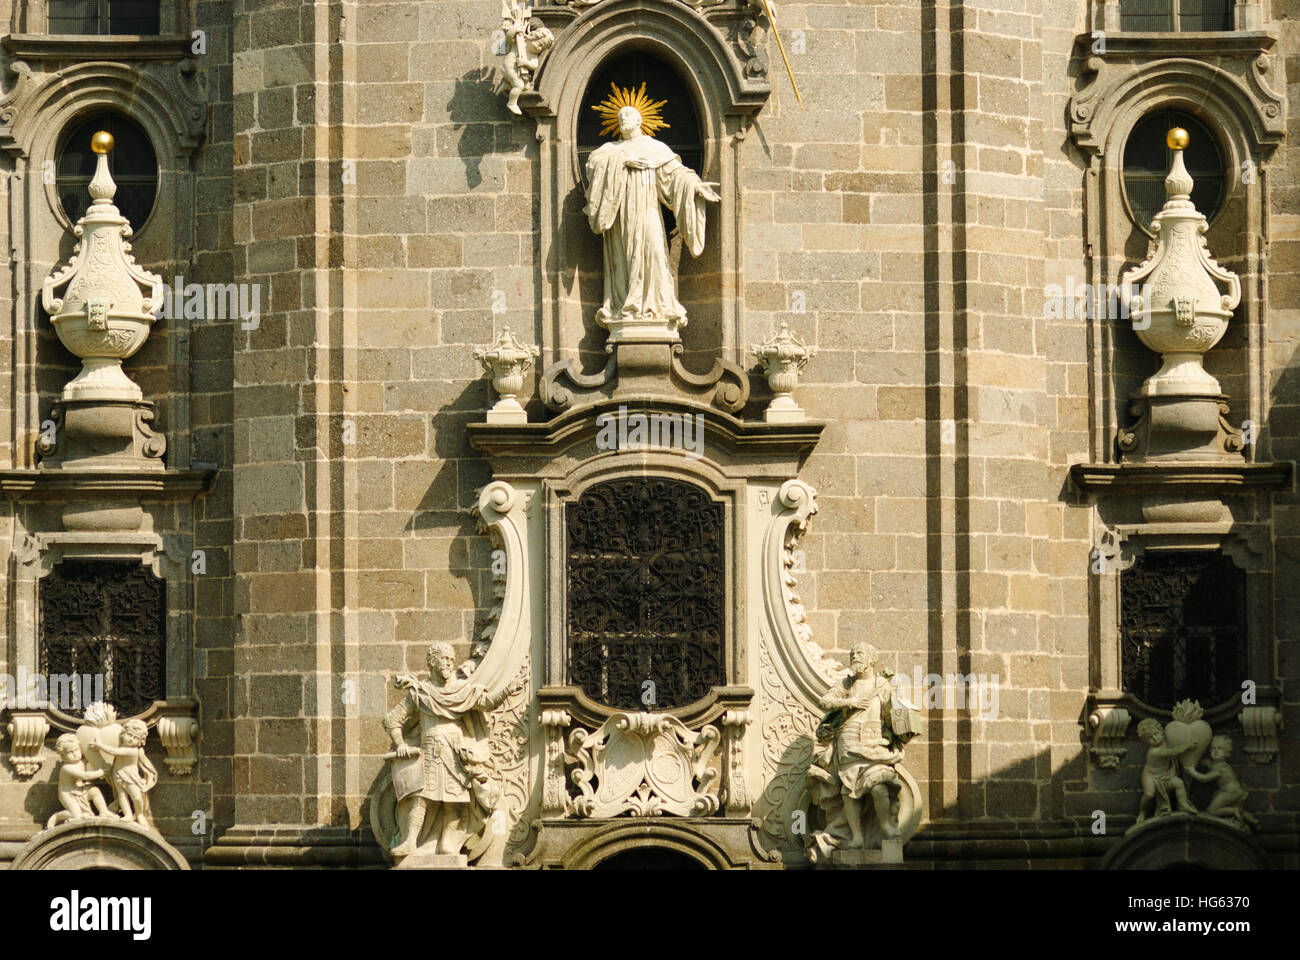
445, 779
627, 180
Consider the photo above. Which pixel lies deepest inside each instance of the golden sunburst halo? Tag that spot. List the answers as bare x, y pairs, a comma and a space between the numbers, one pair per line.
651, 118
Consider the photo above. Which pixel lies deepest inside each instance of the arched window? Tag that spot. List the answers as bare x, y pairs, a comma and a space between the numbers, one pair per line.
1147, 159
132, 164
103, 17
645, 602
1164, 16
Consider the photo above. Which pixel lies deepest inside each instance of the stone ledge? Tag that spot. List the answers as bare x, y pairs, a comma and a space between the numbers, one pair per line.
68, 485
1178, 477
300, 845
1155, 45
74, 46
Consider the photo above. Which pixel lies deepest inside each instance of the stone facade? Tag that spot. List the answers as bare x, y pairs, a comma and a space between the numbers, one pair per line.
356, 163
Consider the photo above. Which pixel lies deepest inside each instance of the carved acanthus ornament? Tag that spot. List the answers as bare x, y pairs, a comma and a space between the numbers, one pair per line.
645, 764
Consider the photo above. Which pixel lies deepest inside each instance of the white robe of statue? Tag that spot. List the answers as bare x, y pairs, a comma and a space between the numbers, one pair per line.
627, 180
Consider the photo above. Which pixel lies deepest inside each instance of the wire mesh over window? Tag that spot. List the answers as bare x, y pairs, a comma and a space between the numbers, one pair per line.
103, 16
1163, 16
645, 593
132, 164
1147, 159
1183, 628
105, 618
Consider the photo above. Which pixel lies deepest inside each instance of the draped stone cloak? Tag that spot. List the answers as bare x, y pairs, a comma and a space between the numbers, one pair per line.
623, 206
441, 715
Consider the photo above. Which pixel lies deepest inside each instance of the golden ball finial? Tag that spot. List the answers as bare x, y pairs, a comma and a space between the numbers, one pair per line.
102, 142
1177, 139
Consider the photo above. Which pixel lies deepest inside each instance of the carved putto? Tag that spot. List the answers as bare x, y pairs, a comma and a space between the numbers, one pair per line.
854, 774
441, 764
1174, 753
108, 302
105, 752
527, 38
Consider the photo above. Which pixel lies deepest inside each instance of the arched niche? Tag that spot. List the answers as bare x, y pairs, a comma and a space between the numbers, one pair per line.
35, 116
725, 101
98, 845
1233, 97
1183, 842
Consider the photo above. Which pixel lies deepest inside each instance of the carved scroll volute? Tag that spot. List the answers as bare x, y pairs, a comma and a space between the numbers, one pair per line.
555, 794
799, 659
502, 510
27, 733
734, 723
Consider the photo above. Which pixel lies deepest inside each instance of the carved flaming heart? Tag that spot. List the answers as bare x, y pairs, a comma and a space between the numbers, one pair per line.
1188, 727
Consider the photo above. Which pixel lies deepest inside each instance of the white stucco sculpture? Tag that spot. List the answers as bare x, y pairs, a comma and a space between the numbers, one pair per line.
443, 781
526, 39
80, 797
853, 775
627, 180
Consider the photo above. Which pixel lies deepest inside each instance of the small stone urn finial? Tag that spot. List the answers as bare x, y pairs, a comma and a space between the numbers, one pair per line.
782, 356
1175, 299
108, 302
505, 362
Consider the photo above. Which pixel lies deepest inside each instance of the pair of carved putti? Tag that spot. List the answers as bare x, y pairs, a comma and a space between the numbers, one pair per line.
105, 752
1174, 752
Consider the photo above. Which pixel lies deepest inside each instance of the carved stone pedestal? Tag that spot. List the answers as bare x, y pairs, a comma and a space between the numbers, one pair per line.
434, 861
102, 435
1180, 428
889, 854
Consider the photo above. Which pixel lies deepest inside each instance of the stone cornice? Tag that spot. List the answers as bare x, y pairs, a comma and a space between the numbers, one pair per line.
67, 47
69, 485
1154, 45
1183, 477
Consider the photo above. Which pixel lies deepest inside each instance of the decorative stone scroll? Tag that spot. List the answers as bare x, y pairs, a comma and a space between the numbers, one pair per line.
27, 733
1262, 726
1109, 725
645, 764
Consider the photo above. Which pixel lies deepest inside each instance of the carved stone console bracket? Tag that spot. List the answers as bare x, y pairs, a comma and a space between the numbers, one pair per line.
636, 369
1262, 726
1109, 724
178, 731
27, 732
1180, 491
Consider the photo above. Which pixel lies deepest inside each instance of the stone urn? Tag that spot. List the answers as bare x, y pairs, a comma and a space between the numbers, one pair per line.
1176, 298
108, 302
506, 361
782, 356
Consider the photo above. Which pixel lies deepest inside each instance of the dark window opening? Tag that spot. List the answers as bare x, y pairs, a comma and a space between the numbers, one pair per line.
131, 163
128, 17
1147, 159
1183, 628
105, 620
1166, 16
645, 593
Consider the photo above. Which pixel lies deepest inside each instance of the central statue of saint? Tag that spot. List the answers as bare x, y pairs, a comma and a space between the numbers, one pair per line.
627, 180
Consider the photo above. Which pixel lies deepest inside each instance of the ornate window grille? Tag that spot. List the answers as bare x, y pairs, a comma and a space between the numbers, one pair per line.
106, 618
128, 17
1183, 628
645, 568
1175, 15
132, 163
